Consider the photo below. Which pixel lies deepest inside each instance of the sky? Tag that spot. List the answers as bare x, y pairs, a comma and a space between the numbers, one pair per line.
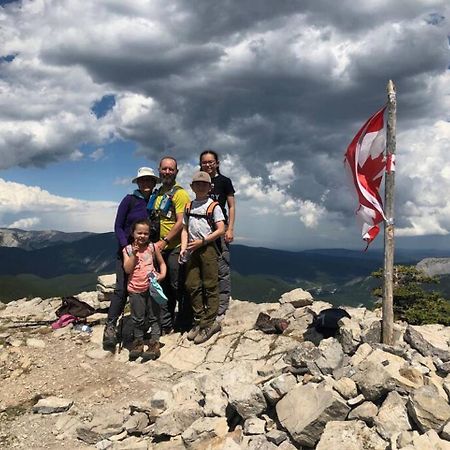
90, 91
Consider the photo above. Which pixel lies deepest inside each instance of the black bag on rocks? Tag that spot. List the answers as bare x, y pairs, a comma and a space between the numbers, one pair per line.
326, 322
75, 307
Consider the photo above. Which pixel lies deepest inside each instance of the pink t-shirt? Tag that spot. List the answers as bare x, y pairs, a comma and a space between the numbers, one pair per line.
138, 279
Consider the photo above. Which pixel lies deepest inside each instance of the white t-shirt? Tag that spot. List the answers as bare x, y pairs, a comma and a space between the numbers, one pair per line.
198, 226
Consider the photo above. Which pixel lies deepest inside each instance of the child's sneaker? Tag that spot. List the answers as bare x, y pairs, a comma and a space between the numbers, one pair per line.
193, 333
136, 350
153, 351
205, 333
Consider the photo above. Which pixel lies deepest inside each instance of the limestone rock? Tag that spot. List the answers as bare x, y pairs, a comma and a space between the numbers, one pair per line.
253, 425
428, 441
276, 436
247, 399
136, 423
51, 405
392, 417
204, 429
365, 411
428, 409
346, 387
331, 357
297, 298
429, 340
382, 372
306, 409
351, 435
176, 419
35, 343
278, 387
349, 334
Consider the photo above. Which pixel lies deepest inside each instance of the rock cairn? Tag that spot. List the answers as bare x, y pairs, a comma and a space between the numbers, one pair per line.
244, 389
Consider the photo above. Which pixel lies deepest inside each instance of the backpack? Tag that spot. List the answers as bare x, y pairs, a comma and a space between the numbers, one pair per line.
209, 215
165, 208
74, 307
327, 321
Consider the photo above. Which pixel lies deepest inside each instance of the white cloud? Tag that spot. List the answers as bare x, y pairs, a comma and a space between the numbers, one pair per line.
97, 154
279, 87
27, 223
50, 211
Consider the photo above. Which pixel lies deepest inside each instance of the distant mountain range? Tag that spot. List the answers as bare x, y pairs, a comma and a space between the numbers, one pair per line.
34, 263
32, 240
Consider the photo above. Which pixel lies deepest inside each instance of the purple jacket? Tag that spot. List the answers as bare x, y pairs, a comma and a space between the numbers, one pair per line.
125, 217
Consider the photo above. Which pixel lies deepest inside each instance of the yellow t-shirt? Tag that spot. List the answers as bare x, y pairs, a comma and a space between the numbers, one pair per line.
179, 200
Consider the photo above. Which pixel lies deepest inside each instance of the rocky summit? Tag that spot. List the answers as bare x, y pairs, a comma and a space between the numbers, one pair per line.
242, 389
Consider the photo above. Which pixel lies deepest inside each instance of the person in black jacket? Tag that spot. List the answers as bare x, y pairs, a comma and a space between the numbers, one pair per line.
222, 190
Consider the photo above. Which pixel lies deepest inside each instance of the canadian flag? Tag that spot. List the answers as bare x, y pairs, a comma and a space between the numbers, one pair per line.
366, 162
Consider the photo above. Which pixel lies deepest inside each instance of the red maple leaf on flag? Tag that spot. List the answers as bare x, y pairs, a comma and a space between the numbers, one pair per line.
366, 162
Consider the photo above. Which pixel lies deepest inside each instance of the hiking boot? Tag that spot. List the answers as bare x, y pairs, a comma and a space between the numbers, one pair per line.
153, 351
136, 350
166, 331
193, 332
110, 337
205, 333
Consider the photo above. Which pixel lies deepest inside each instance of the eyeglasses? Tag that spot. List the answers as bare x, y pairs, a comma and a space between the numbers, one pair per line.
208, 163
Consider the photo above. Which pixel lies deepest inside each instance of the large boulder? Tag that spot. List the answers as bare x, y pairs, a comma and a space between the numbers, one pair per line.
382, 372
429, 340
305, 410
176, 419
247, 399
297, 298
428, 409
392, 417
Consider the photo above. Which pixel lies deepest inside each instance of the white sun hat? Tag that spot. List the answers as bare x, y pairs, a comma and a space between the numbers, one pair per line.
145, 172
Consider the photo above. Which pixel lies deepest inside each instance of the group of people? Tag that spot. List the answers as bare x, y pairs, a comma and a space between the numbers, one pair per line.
173, 260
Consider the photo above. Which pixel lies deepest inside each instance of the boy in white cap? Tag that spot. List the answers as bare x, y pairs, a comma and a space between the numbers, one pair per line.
203, 223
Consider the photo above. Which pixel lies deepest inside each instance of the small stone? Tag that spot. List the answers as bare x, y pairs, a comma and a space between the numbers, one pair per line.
355, 400
51, 405
97, 353
253, 425
276, 436
365, 412
346, 387
136, 423
35, 343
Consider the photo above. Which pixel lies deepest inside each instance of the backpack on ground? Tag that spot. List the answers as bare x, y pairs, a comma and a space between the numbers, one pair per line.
74, 307
327, 321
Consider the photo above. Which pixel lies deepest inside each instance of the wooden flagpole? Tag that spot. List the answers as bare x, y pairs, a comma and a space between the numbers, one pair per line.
388, 308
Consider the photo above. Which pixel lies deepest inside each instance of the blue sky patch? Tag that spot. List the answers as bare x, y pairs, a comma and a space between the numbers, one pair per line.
7, 58
434, 18
101, 107
5, 2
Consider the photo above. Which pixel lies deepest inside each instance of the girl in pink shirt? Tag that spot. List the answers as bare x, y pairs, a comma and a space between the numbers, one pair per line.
138, 263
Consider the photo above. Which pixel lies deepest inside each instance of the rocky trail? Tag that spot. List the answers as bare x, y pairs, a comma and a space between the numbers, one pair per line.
243, 389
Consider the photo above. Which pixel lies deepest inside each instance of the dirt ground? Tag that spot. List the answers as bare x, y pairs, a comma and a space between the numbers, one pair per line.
69, 365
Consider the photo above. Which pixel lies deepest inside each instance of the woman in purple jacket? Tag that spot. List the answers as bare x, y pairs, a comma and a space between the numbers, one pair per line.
133, 207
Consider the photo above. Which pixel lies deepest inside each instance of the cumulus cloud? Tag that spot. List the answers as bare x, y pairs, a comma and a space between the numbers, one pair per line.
280, 88
97, 154
27, 223
18, 201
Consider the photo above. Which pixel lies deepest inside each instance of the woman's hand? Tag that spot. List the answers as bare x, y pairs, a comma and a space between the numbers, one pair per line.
229, 235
